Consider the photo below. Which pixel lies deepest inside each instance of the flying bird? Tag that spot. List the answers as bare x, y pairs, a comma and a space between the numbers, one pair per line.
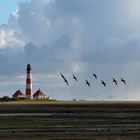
87, 83
62, 76
122, 80
94, 75
65, 80
114, 80
75, 78
102, 82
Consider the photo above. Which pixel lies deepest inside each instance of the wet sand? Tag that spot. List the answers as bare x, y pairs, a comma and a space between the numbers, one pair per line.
70, 121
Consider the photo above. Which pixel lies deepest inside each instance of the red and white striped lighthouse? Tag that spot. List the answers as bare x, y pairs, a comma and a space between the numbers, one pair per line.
28, 92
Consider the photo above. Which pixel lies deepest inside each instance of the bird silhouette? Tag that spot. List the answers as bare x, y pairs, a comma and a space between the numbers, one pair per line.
94, 75
62, 76
87, 83
122, 80
102, 82
65, 80
114, 80
75, 78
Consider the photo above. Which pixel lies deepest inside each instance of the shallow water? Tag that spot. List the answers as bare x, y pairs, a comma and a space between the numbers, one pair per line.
23, 114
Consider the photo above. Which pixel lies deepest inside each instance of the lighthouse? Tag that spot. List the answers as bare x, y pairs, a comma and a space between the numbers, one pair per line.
28, 92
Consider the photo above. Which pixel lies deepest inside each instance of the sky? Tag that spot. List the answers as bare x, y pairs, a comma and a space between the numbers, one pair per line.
78, 37
6, 8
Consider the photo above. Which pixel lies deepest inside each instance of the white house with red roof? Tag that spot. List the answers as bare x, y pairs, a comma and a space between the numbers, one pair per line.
18, 94
39, 94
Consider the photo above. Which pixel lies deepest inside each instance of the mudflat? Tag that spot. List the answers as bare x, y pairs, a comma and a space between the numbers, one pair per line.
70, 120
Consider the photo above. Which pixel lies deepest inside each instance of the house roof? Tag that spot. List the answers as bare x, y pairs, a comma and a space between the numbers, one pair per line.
18, 93
39, 93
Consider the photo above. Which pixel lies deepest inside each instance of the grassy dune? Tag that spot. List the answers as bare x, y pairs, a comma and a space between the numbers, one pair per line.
68, 102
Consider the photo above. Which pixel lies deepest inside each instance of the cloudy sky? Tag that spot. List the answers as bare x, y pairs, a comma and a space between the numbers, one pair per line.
78, 37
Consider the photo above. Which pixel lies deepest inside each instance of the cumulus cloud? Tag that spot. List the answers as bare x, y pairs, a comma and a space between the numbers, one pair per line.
9, 39
82, 37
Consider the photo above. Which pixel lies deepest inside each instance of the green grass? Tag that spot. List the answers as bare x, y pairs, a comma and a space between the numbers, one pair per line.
46, 101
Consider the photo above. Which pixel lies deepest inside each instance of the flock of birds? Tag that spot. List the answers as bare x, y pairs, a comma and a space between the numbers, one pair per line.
95, 76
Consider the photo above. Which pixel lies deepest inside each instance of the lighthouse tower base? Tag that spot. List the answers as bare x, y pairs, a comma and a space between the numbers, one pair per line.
28, 97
